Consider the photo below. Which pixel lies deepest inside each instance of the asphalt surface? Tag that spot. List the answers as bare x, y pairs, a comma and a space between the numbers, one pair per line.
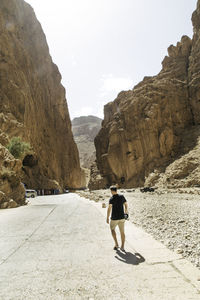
60, 247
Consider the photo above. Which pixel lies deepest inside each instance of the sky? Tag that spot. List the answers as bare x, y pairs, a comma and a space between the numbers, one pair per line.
102, 47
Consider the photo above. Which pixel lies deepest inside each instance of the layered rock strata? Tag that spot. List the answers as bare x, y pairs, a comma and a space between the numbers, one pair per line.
143, 129
32, 101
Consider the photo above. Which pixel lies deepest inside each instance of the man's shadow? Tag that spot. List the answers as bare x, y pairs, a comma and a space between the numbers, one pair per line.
130, 258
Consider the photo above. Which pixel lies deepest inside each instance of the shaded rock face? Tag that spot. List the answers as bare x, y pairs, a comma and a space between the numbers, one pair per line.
32, 101
194, 67
185, 170
143, 129
96, 181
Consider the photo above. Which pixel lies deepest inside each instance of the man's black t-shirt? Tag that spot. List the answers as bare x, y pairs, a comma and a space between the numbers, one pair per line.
117, 202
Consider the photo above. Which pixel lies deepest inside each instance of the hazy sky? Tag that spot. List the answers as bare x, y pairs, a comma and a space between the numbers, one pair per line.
104, 46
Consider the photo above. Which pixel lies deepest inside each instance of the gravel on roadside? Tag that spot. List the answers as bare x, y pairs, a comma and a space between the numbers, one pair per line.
170, 216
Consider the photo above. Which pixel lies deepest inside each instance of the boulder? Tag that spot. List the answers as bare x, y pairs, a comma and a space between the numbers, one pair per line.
12, 204
4, 205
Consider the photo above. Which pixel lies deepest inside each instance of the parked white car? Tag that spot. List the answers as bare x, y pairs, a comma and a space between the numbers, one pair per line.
31, 193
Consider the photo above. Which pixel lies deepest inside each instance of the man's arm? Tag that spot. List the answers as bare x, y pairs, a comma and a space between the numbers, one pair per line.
108, 212
126, 207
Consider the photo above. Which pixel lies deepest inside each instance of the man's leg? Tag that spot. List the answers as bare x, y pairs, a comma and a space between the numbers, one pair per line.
114, 237
112, 227
121, 229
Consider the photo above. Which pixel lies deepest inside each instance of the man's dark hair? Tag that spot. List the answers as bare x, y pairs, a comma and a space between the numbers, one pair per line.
113, 188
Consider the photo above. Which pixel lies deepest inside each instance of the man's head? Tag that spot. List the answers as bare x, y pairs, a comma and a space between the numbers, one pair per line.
113, 189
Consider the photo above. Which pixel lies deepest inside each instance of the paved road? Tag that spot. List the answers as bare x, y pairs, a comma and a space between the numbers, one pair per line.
60, 247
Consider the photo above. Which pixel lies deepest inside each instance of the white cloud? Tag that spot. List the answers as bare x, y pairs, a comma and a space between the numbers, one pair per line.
115, 84
74, 61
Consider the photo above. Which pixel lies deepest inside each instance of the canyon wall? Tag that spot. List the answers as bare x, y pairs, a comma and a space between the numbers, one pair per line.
147, 129
85, 129
32, 102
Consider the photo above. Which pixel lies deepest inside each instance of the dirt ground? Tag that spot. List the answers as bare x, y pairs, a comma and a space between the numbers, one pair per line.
170, 216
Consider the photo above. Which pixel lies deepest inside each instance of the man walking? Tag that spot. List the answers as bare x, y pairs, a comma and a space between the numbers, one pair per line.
117, 203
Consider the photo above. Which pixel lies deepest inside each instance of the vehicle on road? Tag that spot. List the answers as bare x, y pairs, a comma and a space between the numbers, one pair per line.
31, 194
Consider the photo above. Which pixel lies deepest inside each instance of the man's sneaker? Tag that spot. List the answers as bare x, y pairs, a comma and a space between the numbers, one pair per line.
123, 250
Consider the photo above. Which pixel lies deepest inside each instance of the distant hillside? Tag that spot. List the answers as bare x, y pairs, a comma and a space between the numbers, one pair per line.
85, 128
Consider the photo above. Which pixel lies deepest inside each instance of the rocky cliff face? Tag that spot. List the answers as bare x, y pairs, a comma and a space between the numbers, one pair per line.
32, 101
85, 129
144, 129
10, 185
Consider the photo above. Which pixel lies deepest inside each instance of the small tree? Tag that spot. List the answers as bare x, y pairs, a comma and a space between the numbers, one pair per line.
17, 147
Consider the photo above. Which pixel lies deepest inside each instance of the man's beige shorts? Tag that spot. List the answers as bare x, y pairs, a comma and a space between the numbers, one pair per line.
120, 223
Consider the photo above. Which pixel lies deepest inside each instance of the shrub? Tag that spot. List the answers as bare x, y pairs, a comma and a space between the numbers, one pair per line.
17, 147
